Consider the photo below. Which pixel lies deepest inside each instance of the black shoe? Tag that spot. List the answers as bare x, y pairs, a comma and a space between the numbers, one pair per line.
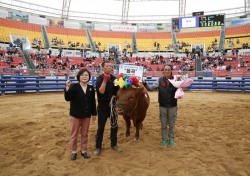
73, 156
85, 155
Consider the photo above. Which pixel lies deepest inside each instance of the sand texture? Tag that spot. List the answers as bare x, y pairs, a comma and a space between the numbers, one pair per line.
212, 139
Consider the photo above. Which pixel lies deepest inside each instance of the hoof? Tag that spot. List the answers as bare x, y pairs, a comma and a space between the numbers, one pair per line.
137, 139
127, 135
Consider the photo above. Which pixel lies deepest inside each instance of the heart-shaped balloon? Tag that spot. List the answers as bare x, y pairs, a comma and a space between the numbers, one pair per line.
135, 80
120, 75
125, 76
119, 82
126, 84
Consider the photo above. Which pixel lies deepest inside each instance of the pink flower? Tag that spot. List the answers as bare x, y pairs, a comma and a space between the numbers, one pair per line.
179, 94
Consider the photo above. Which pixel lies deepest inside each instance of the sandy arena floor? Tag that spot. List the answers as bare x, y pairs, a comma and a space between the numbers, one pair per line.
212, 139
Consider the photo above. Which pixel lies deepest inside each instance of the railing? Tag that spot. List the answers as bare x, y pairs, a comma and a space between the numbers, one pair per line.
217, 84
22, 84
56, 72
240, 84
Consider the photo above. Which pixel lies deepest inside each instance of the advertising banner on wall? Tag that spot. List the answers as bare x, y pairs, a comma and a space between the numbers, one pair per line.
72, 53
161, 28
123, 28
101, 27
19, 17
3, 14
87, 25
70, 24
75, 53
56, 22
240, 22
147, 28
37, 20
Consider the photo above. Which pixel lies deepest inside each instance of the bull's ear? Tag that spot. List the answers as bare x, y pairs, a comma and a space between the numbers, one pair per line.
139, 89
141, 86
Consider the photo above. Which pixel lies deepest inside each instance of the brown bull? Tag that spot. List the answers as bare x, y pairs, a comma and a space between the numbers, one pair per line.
134, 103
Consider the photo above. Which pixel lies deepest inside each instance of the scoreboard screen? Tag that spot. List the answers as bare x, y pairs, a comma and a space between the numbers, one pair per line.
188, 22
198, 21
211, 20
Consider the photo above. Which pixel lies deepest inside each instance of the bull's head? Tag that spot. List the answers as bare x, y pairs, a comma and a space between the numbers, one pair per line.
127, 99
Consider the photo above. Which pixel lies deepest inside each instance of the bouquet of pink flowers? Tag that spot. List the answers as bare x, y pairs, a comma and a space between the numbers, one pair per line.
180, 82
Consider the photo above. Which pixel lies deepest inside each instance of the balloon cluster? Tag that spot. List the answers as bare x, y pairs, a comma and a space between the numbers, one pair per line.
124, 80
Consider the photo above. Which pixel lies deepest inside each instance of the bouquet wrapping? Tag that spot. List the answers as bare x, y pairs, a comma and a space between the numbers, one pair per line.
182, 83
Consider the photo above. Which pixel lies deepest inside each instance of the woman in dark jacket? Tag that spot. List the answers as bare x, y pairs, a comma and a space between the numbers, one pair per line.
82, 106
167, 105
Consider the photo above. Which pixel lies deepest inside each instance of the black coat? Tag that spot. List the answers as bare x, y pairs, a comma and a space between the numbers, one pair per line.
166, 93
82, 105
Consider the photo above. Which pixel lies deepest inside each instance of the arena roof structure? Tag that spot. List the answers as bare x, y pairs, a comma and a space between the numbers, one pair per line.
128, 11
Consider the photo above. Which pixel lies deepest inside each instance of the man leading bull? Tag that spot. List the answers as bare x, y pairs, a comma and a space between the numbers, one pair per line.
106, 89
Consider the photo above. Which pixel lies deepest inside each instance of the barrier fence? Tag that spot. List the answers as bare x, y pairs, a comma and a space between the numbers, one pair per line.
218, 84
54, 72
21, 84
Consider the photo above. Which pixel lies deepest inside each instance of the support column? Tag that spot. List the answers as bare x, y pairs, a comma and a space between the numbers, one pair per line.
65, 9
125, 10
182, 8
247, 7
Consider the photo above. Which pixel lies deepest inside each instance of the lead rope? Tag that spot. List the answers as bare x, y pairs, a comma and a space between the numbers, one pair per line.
113, 113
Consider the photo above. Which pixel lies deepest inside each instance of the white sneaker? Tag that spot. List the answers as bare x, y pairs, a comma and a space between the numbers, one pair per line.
116, 148
97, 152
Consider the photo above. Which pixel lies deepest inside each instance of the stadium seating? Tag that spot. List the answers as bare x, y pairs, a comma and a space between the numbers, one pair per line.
206, 37
236, 36
147, 41
109, 37
18, 28
66, 35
